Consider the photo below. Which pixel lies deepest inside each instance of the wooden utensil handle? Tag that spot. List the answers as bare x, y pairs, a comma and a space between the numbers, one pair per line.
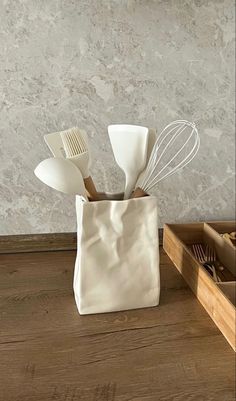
90, 187
138, 193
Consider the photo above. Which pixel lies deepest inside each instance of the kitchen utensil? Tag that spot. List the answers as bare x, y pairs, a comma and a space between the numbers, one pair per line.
175, 147
75, 143
230, 237
211, 257
223, 274
129, 144
54, 142
233, 235
207, 259
62, 175
152, 137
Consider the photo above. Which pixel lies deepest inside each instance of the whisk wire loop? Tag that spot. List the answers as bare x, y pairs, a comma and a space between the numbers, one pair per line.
154, 170
174, 137
154, 155
182, 164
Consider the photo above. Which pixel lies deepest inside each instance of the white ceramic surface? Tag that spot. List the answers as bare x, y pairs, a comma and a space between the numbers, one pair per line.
117, 264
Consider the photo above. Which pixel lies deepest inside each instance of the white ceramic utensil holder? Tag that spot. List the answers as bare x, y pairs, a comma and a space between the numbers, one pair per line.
117, 263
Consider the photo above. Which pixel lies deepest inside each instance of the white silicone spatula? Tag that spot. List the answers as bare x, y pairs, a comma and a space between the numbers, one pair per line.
62, 175
55, 144
152, 137
129, 145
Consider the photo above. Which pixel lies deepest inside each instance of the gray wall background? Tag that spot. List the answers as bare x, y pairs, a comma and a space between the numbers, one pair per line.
95, 62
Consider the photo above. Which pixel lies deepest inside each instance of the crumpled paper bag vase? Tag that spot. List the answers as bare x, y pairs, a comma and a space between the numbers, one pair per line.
117, 263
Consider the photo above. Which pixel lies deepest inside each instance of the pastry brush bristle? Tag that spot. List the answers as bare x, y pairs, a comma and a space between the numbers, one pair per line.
73, 142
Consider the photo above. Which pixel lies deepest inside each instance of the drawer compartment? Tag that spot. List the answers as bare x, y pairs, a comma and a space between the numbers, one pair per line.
218, 298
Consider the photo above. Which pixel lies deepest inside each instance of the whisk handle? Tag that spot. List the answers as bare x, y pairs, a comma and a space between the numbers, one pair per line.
138, 193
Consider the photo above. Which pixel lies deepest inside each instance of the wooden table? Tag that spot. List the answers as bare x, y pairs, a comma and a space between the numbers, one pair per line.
48, 351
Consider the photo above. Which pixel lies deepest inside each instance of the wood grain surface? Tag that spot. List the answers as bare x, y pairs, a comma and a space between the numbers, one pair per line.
38, 242
172, 352
43, 242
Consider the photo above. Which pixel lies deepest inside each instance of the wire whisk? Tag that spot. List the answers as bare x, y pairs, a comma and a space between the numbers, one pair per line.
175, 148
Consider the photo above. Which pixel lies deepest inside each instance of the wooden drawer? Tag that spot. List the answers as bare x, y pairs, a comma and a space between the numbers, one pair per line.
217, 298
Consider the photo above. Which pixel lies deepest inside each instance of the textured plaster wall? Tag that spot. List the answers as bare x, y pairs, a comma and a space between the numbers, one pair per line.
94, 62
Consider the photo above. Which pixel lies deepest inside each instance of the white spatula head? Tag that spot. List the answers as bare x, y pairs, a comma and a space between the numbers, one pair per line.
129, 144
54, 143
152, 136
62, 175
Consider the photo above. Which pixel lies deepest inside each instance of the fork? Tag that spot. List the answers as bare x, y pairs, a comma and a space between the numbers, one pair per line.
211, 255
207, 258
